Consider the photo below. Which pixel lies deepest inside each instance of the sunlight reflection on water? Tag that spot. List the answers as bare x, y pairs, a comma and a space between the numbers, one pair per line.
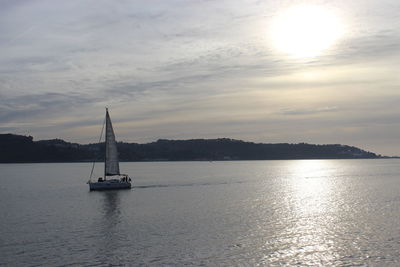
314, 211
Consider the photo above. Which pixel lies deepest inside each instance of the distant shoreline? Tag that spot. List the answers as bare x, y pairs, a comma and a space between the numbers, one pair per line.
183, 161
23, 149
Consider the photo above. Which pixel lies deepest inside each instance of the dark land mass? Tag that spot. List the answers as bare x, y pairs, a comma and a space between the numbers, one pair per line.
19, 149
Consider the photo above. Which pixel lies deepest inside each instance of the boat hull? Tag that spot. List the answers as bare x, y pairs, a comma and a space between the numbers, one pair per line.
109, 185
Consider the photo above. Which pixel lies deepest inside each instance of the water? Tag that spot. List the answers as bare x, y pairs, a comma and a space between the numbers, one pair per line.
246, 213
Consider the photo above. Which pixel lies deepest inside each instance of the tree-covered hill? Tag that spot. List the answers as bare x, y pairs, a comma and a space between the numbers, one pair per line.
17, 148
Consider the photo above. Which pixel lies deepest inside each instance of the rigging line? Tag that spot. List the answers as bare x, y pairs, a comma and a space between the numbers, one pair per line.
94, 161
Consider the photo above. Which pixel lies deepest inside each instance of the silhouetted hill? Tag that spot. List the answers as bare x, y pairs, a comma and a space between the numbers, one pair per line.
17, 148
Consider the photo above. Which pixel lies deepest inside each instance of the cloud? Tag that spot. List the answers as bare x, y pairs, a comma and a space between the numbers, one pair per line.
308, 111
30, 106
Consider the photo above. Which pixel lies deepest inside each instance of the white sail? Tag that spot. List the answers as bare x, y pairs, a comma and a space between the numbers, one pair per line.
111, 161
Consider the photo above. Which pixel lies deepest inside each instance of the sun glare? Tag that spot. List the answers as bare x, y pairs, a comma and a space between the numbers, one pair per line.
305, 31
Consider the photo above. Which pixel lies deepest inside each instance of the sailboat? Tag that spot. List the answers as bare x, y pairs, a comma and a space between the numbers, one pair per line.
111, 163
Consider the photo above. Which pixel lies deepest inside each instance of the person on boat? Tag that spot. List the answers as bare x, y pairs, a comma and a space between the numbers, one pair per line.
100, 179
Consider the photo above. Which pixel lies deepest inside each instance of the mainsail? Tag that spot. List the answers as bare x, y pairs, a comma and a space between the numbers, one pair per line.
111, 163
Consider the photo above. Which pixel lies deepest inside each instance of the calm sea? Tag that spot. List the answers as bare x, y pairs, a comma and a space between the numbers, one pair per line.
242, 213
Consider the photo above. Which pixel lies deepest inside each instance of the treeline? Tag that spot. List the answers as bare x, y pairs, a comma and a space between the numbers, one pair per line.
17, 148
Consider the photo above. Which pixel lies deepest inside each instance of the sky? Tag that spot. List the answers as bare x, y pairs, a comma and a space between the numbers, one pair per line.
273, 71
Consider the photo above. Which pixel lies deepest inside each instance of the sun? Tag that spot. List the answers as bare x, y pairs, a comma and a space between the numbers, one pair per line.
305, 31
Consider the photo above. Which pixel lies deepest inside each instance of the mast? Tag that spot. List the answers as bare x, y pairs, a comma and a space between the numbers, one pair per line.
105, 147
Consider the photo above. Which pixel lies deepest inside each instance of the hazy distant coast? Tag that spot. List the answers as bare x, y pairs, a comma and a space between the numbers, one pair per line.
18, 148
